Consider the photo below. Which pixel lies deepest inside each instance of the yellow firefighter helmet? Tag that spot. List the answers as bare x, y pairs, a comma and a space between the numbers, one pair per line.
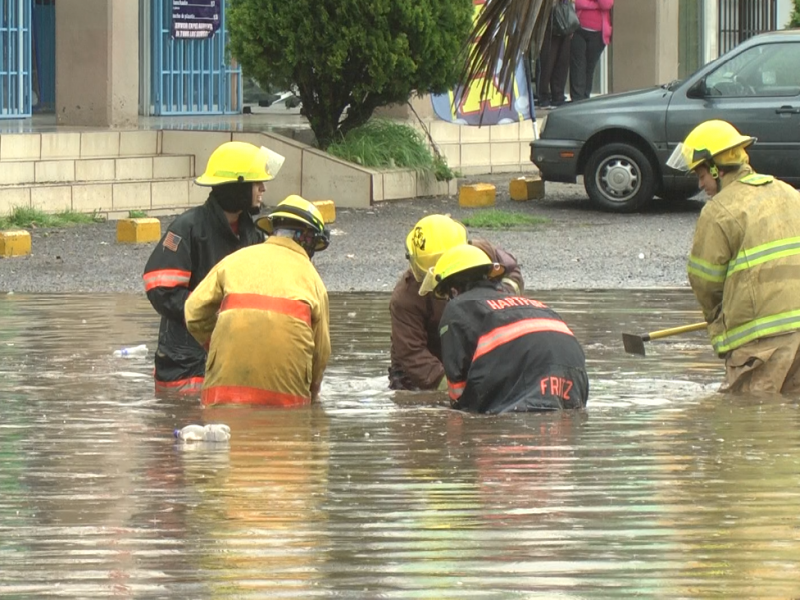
455, 261
239, 162
429, 239
296, 208
715, 142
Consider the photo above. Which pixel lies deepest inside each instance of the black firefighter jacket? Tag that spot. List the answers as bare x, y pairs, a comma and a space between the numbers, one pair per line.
503, 352
193, 243
416, 352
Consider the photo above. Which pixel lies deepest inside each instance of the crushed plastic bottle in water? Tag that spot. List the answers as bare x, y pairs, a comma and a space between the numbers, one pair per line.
135, 351
213, 432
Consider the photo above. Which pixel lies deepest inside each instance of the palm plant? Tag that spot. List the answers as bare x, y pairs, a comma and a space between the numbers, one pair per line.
503, 34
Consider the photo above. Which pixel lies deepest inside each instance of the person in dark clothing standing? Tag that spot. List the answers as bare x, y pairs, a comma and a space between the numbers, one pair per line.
416, 354
196, 241
588, 44
501, 351
554, 65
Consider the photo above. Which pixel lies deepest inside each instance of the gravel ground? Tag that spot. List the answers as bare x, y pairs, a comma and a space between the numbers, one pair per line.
580, 248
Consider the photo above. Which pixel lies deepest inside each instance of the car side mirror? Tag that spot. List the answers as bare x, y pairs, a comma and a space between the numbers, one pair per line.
698, 90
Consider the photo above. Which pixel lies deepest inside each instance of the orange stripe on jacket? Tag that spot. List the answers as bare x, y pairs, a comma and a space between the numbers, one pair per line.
293, 308
236, 394
166, 278
506, 333
455, 389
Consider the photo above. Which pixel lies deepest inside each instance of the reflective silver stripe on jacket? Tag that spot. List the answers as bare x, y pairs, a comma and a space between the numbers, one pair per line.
751, 257
763, 327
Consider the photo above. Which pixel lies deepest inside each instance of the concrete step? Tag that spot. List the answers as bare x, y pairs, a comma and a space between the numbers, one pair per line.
113, 199
100, 169
79, 144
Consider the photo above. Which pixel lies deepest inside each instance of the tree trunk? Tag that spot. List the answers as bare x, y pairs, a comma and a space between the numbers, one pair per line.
323, 114
357, 115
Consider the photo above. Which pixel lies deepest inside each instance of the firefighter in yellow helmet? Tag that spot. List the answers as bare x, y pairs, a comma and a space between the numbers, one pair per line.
193, 243
263, 314
416, 352
502, 351
745, 261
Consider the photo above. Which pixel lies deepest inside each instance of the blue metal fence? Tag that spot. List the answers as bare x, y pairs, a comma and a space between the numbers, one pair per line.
191, 77
15, 58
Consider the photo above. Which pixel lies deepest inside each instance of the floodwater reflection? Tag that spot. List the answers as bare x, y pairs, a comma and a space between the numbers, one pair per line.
662, 488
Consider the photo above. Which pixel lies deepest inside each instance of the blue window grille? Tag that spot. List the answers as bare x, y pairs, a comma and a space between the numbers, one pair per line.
15, 59
191, 77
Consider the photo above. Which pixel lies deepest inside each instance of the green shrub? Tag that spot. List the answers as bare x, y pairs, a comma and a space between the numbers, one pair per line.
349, 57
794, 20
26, 217
381, 143
136, 214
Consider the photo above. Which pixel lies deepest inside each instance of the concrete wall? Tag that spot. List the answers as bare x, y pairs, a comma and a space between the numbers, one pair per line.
422, 106
97, 63
645, 43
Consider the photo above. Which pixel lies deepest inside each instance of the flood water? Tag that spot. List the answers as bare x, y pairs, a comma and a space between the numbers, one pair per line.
662, 488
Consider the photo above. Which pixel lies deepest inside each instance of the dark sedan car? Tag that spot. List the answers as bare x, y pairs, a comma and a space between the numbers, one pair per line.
620, 142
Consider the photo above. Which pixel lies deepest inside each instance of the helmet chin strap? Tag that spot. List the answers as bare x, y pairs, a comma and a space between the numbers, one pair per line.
713, 169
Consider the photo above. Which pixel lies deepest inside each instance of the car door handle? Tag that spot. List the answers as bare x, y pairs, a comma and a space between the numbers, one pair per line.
787, 110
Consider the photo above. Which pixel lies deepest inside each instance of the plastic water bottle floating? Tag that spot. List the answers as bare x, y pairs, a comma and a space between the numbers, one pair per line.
135, 351
213, 432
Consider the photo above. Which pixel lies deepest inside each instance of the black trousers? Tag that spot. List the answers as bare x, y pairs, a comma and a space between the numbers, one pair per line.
554, 60
585, 51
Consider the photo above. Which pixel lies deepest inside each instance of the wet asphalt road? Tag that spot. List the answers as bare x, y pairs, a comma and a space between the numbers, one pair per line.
580, 248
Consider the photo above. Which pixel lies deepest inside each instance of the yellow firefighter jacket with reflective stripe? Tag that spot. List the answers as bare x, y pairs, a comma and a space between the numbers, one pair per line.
264, 310
745, 262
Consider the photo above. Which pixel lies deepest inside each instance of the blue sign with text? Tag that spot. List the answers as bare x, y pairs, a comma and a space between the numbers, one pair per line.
195, 19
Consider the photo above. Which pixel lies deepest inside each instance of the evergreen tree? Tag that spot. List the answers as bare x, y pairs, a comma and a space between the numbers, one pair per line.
346, 58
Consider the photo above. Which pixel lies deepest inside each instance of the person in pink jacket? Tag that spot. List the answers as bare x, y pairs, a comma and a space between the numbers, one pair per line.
588, 44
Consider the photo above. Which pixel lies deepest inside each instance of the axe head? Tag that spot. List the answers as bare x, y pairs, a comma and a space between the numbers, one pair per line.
634, 344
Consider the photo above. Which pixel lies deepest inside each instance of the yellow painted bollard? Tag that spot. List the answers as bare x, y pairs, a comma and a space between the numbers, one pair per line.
522, 189
477, 195
328, 210
138, 231
15, 243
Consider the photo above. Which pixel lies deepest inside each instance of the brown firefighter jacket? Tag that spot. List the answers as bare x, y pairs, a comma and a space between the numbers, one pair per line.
416, 352
264, 310
745, 262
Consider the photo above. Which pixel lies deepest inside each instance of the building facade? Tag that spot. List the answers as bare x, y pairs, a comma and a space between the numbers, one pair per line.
657, 41
104, 62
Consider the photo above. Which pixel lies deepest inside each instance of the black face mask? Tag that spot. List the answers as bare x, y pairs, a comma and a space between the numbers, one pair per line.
234, 197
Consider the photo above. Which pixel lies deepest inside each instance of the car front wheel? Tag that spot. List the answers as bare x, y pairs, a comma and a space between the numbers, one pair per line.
619, 178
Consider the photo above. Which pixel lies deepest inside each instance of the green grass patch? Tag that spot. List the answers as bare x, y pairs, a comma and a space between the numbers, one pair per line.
386, 144
136, 214
501, 219
26, 217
